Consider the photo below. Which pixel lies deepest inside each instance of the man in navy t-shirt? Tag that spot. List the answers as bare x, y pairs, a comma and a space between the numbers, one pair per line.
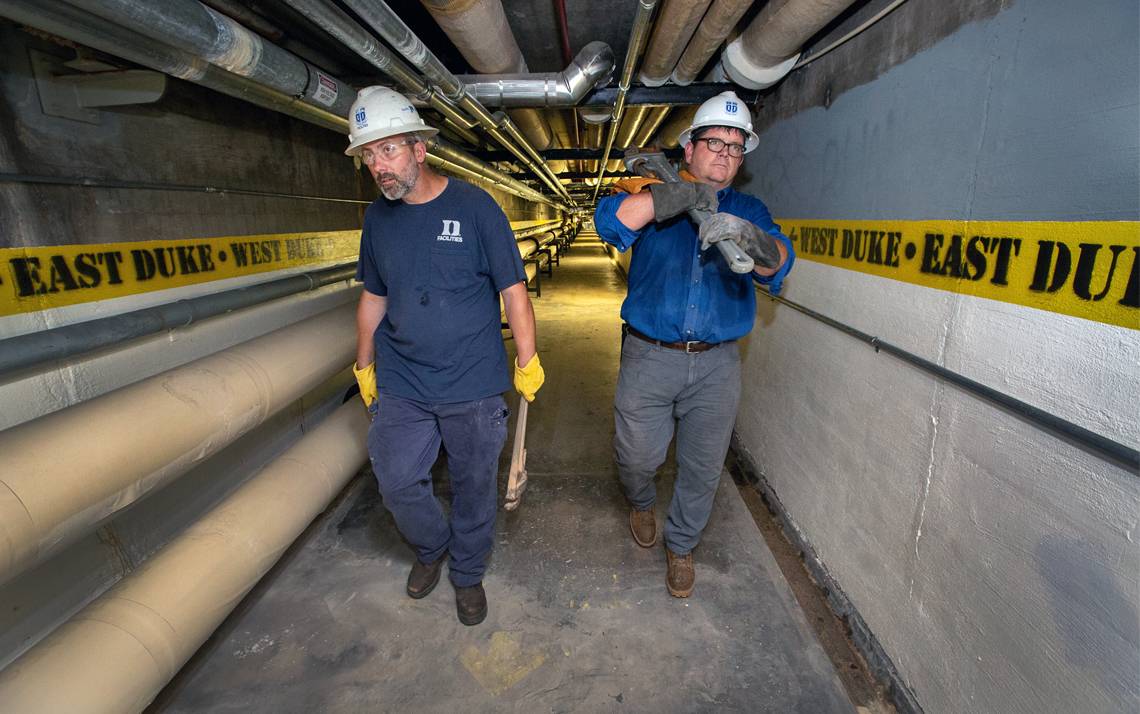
436, 254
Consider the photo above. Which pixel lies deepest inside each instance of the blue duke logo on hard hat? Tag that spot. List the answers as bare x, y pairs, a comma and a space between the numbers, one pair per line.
730, 107
361, 118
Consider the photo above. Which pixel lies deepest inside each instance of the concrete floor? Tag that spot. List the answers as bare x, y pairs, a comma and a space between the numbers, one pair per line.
579, 616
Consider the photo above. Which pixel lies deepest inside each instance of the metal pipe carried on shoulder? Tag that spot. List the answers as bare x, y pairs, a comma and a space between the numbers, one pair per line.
653, 164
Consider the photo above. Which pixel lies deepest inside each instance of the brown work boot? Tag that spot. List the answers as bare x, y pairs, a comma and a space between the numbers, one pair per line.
644, 527
423, 578
679, 574
471, 604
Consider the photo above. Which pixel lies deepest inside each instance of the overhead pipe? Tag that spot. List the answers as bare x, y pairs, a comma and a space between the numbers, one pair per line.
642, 23
629, 128
64, 473
480, 31
192, 27
720, 20
71, 23
675, 25
679, 120
593, 65
116, 654
770, 46
649, 127
381, 18
440, 151
349, 32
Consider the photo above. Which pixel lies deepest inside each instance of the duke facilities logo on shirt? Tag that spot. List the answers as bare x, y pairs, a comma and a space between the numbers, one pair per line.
450, 232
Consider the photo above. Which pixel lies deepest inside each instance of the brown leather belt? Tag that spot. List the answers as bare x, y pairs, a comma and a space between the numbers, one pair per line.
690, 347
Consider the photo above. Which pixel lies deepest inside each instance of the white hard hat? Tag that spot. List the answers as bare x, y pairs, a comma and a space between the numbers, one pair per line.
725, 109
379, 112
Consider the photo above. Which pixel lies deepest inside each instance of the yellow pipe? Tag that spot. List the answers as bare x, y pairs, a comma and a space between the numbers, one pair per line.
64, 473
117, 653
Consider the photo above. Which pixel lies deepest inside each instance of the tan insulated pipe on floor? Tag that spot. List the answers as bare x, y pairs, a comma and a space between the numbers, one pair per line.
718, 22
768, 49
64, 473
677, 22
117, 653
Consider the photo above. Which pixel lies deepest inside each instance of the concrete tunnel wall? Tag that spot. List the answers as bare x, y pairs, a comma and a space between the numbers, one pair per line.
191, 136
995, 563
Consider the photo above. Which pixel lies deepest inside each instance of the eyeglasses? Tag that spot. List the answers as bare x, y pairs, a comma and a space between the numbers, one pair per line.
716, 145
388, 150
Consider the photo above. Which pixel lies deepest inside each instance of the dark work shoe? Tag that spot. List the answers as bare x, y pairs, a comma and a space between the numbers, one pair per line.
644, 527
423, 578
679, 573
471, 604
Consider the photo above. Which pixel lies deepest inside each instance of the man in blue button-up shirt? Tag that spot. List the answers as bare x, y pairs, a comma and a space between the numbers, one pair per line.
684, 311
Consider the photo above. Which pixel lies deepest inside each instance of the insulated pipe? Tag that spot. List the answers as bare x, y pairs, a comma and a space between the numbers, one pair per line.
593, 65
768, 49
482, 35
58, 343
629, 128
679, 120
337, 23
117, 653
675, 25
59, 18
719, 21
650, 125
378, 15
480, 31
61, 475
638, 34
192, 27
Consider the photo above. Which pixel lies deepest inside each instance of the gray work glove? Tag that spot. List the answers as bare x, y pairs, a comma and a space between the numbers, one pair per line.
673, 199
759, 246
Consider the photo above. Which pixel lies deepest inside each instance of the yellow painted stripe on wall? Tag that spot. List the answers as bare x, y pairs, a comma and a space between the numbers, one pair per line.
1086, 269
54, 276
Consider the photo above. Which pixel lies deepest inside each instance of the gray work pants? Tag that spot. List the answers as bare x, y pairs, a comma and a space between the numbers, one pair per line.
697, 392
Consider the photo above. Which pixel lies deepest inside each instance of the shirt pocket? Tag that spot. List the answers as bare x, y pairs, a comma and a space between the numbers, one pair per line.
451, 269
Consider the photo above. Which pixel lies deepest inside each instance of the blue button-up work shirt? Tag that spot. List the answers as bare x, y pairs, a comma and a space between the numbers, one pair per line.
676, 292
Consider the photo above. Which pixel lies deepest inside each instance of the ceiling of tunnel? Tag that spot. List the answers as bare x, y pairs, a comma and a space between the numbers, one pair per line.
549, 124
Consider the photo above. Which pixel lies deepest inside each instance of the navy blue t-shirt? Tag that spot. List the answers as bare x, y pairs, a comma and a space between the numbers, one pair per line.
441, 264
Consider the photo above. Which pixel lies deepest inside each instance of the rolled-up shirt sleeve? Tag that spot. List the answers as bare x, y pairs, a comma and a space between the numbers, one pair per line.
609, 228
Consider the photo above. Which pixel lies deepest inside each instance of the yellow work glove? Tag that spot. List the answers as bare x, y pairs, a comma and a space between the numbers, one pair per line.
529, 378
366, 378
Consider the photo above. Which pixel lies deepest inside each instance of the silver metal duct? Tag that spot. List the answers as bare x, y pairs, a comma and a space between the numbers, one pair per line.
59, 18
638, 34
192, 27
593, 65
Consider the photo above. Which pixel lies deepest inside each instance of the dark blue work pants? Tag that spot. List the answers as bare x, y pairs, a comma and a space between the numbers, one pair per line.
403, 443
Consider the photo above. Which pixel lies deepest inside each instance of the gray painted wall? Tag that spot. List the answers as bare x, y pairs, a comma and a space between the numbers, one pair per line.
997, 565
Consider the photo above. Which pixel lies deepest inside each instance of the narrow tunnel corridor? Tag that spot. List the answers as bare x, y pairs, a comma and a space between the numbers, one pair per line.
580, 619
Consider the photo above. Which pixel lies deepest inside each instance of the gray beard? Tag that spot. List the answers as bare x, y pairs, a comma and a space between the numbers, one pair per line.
401, 185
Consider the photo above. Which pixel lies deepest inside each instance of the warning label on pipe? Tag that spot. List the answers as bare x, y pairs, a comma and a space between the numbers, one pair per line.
55, 276
1087, 269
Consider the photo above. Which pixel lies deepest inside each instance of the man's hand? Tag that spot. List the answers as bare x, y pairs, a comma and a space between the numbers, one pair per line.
366, 378
759, 246
673, 199
529, 378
